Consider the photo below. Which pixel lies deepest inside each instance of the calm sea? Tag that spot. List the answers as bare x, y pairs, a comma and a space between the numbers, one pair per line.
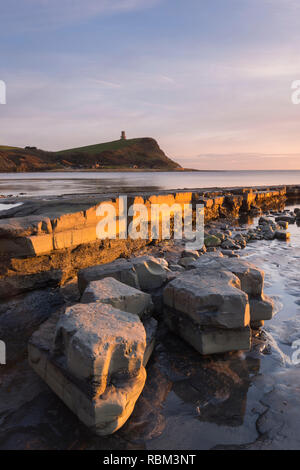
46, 184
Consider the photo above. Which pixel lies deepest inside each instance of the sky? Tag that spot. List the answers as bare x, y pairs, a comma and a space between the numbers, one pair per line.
210, 80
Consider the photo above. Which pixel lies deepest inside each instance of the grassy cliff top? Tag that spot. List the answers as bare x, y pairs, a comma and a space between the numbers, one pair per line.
7, 147
141, 153
106, 146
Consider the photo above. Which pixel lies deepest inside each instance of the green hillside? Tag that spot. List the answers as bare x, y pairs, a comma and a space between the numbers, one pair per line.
98, 148
143, 153
7, 147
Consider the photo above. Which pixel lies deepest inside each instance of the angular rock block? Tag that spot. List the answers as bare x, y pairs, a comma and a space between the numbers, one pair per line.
100, 341
190, 254
207, 340
261, 308
210, 299
208, 310
251, 278
24, 226
285, 218
268, 232
212, 241
151, 273
255, 325
92, 357
144, 272
121, 269
265, 221
282, 235
230, 254
284, 225
119, 295
186, 262
252, 282
176, 268
230, 244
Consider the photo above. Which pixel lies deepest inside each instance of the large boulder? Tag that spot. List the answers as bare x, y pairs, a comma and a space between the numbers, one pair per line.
190, 254
261, 308
208, 310
151, 273
119, 295
230, 244
145, 272
208, 340
99, 341
283, 225
251, 277
268, 232
282, 235
212, 298
186, 262
240, 240
122, 270
212, 241
93, 359
265, 221
251, 282
230, 254
285, 218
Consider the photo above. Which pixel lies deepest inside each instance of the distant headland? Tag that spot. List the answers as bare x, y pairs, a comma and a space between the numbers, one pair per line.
122, 155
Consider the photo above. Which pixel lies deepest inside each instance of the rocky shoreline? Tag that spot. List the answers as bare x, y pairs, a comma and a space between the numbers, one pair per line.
209, 303
46, 242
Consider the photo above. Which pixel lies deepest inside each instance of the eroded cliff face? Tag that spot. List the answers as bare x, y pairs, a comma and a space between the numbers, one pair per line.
21, 160
45, 243
139, 153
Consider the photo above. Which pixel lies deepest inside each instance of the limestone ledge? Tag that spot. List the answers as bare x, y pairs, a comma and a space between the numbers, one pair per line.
51, 240
58, 227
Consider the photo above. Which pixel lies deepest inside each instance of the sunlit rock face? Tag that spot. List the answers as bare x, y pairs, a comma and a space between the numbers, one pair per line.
143, 272
208, 310
151, 273
99, 341
93, 359
210, 299
251, 280
119, 295
212, 305
128, 299
93, 355
261, 308
122, 270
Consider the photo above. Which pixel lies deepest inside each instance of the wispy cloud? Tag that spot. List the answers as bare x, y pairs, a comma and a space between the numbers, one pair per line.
35, 14
106, 84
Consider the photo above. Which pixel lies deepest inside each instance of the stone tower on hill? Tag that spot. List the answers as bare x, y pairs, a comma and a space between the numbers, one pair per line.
123, 135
